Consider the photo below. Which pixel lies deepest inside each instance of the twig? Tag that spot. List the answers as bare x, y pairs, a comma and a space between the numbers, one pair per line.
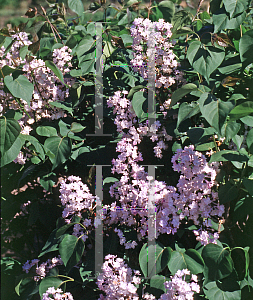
198, 9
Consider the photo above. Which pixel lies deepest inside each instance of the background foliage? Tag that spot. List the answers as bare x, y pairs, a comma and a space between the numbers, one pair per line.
214, 113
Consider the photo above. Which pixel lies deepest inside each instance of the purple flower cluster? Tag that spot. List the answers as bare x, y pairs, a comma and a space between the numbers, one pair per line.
205, 237
147, 34
56, 294
195, 186
75, 196
117, 280
47, 87
193, 196
76, 199
179, 289
42, 269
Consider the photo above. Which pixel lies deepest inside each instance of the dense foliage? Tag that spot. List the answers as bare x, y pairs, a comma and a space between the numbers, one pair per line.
171, 143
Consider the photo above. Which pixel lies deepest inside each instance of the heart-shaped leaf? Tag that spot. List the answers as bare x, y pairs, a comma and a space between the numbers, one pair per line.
20, 87
190, 260
46, 131
60, 147
47, 282
218, 262
71, 250
137, 102
181, 92
214, 110
204, 59
154, 258
9, 129
225, 290
235, 7
187, 110
245, 48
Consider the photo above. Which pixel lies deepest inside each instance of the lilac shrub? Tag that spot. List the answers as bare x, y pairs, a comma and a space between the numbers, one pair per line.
46, 143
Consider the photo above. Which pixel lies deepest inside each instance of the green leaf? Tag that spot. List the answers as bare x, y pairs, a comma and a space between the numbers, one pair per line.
242, 110
55, 70
218, 262
23, 51
248, 120
134, 90
157, 281
46, 131
204, 59
26, 288
154, 259
13, 152
10, 130
228, 155
200, 135
110, 180
127, 39
180, 19
245, 48
181, 92
237, 21
48, 181
227, 192
231, 63
190, 260
71, 250
248, 183
85, 45
76, 127
127, 18
205, 146
37, 146
181, 32
6, 70
76, 6
47, 282
230, 129
249, 140
137, 102
204, 16
63, 105
226, 290
60, 147
87, 66
186, 111
168, 9
235, 7
65, 227
52, 244
157, 287
20, 87
214, 110
243, 208
221, 20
